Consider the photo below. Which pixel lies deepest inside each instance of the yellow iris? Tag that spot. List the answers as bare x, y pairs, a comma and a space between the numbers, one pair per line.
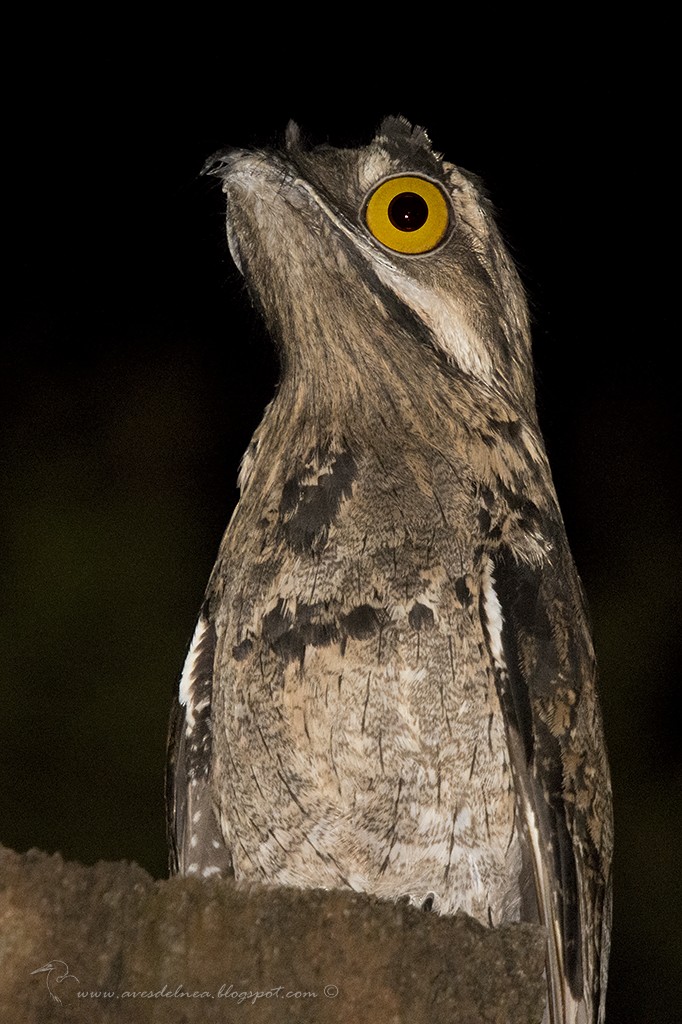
408, 214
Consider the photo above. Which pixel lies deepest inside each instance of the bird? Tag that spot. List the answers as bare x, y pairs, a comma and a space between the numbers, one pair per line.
392, 687
50, 967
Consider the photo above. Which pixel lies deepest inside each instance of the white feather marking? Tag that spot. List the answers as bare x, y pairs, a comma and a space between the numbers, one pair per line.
356, 881
475, 874
185, 693
462, 821
429, 820
212, 869
441, 312
412, 676
494, 617
246, 467
373, 168
547, 918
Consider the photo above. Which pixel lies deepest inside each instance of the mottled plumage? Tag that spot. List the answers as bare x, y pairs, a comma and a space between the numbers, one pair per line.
392, 684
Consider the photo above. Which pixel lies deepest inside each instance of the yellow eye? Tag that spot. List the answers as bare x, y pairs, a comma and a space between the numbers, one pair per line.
408, 214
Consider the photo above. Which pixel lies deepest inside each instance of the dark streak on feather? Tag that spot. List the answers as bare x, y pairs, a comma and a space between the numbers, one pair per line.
361, 622
309, 509
242, 649
464, 595
519, 503
484, 519
289, 633
510, 430
420, 616
533, 673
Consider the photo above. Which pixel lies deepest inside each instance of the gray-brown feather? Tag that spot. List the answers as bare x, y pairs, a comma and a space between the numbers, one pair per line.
403, 690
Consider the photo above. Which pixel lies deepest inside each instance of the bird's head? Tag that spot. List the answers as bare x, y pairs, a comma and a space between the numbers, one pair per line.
378, 267
45, 968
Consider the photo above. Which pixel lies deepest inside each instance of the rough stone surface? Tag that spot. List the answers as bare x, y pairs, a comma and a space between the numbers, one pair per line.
186, 950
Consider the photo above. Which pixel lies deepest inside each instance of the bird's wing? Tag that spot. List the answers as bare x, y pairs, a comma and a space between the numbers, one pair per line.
195, 840
540, 645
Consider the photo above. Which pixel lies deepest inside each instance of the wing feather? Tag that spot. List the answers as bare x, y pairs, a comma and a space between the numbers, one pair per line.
540, 646
195, 840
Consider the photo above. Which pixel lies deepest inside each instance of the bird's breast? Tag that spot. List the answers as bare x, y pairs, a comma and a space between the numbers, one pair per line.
358, 735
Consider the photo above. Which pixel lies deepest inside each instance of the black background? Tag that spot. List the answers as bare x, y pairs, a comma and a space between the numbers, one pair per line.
134, 371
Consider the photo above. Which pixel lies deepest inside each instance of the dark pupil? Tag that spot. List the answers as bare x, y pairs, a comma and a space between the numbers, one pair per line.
408, 211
